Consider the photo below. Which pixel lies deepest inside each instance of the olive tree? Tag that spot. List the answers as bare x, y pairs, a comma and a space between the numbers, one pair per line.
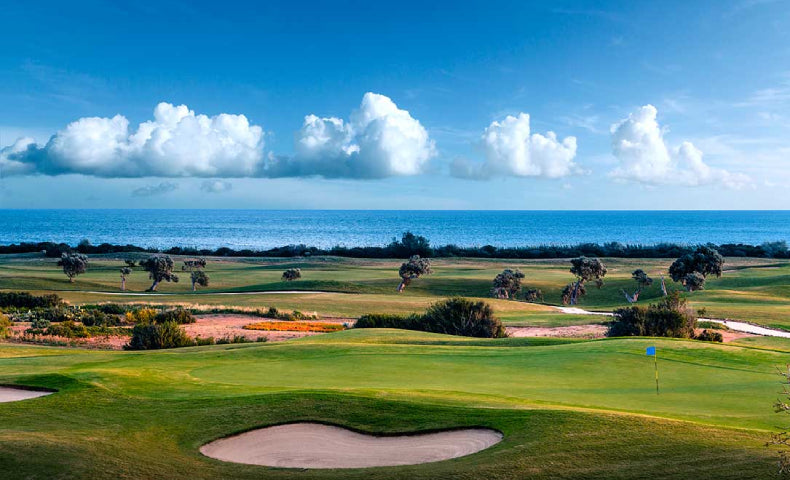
414, 268
73, 264
586, 270
194, 266
642, 281
692, 269
292, 274
507, 284
198, 277
125, 271
160, 269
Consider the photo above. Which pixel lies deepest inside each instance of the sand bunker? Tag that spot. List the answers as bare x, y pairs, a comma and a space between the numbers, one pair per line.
13, 394
312, 445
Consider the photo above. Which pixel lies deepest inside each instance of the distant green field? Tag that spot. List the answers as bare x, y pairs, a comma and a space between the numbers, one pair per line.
754, 290
568, 409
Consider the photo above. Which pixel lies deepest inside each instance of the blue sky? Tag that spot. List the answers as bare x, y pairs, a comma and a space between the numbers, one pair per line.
417, 105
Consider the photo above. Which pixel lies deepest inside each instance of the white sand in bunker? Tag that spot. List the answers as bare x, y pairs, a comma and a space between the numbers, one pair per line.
313, 445
12, 394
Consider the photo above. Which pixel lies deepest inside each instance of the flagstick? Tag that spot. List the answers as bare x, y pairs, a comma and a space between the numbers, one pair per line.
655, 358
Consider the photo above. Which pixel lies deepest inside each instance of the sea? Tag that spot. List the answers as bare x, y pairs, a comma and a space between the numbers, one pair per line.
262, 229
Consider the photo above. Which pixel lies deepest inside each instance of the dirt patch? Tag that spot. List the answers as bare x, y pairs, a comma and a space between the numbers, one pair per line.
573, 331
312, 445
230, 325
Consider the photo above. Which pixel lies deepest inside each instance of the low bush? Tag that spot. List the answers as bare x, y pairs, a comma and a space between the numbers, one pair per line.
5, 326
25, 300
97, 318
670, 317
388, 320
709, 336
67, 329
140, 315
712, 325
454, 316
154, 336
179, 315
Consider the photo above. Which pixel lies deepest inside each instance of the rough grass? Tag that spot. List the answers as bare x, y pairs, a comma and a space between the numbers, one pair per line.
755, 290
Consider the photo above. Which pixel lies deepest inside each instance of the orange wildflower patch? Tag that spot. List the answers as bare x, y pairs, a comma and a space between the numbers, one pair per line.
295, 326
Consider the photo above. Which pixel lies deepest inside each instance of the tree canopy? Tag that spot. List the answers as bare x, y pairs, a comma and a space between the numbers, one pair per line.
414, 268
292, 274
160, 269
586, 269
73, 264
692, 269
507, 284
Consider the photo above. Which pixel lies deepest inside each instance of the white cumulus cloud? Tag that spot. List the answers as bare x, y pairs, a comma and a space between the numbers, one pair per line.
176, 143
639, 146
512, 149
379, 140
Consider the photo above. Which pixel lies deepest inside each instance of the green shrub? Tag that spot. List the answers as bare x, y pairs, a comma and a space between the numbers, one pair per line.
454, 316
712, 325
39, 323
233, 339
709, 336
387, 320
177, 315
5, 326
670, 317
97, 318
154, 336
17, 300
67, 329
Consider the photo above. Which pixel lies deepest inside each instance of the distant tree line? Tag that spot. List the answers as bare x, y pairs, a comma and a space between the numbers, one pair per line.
410, 245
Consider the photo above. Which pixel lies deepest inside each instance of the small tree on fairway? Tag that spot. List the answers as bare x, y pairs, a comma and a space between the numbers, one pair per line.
642, 281
507, 284
198, 277
586, 269
159, 268
292, 274
124, 272
414, 268
130, 263
703, 261
194, 266
73, 264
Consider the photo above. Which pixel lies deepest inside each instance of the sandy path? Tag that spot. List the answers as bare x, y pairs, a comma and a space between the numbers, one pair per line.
11, 394
312, 445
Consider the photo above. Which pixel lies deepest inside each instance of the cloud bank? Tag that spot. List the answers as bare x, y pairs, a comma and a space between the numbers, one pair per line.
512, 150
379, 140
644, 157
216, 186
176, 143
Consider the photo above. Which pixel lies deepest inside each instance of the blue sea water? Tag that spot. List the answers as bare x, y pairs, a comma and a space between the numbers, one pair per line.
325, 228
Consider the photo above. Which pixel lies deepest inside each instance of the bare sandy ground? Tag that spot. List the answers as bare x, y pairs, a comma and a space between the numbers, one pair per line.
312, 445
11, 394
228, 325
574, 331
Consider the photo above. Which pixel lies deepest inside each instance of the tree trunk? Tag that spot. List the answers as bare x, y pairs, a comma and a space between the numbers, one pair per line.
153, 286
401, 286
575, 292
123, 283
71, 279
663, 286
193, 286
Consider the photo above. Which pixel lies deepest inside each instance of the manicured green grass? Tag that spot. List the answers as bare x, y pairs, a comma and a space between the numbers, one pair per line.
568, 409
